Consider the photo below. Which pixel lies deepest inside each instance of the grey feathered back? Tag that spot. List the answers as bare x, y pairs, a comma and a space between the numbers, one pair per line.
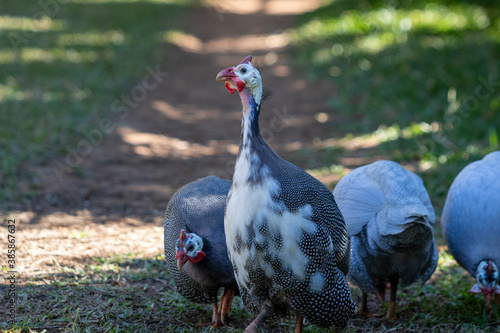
198, 207
387, 210
471, 215
386, 192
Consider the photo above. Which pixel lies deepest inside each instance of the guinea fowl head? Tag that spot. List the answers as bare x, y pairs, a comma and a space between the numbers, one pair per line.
243, 78
487, 280
188, 248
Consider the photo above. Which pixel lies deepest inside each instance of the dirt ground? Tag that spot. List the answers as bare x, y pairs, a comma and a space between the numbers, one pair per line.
186, 128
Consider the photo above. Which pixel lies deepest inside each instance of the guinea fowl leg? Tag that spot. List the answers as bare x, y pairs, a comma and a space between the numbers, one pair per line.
225, 302
363, 305
391, 310
266, 310
300, 324
216, 318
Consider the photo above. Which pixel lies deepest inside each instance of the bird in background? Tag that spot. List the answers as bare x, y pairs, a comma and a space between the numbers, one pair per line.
195, 245
471, 224
285, 235
390, 219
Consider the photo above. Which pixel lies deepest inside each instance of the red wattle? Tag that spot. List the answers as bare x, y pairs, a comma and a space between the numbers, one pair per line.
228, 87
200, 255
239, 84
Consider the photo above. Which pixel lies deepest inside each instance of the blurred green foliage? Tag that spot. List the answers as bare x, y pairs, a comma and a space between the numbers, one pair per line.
428, 72
63, 64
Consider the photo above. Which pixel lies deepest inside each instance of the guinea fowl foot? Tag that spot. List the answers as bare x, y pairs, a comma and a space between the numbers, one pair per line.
225, 303
265, 312
391, 311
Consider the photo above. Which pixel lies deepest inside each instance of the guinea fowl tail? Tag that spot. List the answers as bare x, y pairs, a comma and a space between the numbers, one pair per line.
330, 306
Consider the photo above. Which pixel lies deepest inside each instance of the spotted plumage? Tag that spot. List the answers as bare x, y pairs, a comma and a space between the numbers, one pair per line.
196, 212
285, 234
471, 223
390, 220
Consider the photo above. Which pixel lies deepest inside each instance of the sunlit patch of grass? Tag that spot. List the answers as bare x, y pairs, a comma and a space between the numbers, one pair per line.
52, 55
92, 38
416, 81
393, 132
30, 24
329, 175
374, 30
335, 169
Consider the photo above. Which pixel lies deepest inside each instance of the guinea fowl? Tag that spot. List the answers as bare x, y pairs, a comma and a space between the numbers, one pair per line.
285, 236
471, 223
390, 219
195, 244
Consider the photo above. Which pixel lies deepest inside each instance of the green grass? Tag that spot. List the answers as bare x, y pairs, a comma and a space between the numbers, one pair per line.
63, 70
421, 76
115, 294
122, 293
125, 293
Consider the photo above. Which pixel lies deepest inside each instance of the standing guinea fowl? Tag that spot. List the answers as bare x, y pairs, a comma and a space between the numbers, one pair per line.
471, 223
195, 244
285, 236
390, 220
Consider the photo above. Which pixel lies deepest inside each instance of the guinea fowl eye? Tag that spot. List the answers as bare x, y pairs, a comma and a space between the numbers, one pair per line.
190, 248
243, 70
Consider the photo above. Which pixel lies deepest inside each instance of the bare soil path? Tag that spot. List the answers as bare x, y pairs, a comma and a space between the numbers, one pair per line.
188, 127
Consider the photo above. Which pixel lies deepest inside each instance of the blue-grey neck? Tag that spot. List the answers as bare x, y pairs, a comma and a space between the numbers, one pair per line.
254, 153
250, 120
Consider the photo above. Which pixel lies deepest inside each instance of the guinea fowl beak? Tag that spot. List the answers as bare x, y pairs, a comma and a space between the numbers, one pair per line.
181, 258
226, 74
180, 254
233, 82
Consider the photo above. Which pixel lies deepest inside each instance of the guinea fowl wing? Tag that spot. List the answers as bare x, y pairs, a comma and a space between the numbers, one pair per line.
359, 198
